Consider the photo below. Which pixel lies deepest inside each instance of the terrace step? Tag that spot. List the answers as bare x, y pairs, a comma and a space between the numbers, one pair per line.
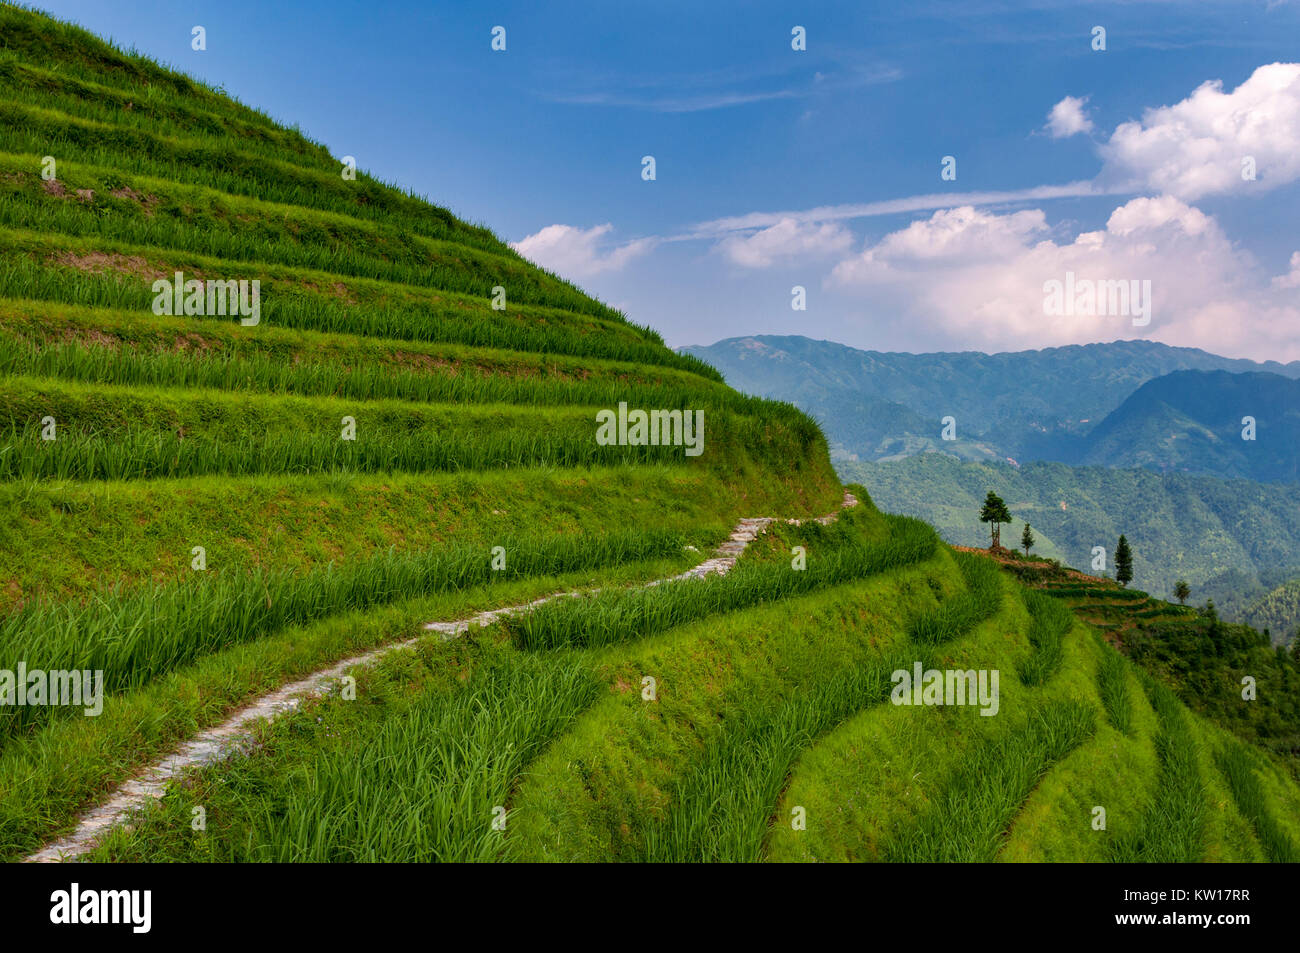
234, 735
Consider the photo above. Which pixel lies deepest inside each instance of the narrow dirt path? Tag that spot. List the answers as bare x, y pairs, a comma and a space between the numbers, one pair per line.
232, 735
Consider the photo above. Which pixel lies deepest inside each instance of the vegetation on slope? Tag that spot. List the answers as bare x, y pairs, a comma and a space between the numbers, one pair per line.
1232, 540
1229, 673
182, 493
201, 527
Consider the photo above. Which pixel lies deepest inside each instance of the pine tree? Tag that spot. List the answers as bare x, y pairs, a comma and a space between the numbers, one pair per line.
1027, 539
1181, 591
1123, 562
995, 512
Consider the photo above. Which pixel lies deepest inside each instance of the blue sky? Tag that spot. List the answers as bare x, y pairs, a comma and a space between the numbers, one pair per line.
819, 168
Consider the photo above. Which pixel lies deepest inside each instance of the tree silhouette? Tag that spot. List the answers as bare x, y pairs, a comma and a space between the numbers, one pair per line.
1181, 591
995, 512
1123, 562
1027, 539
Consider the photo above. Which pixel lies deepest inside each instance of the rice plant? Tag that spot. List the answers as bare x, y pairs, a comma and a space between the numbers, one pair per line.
1049, 621
393, 313
722, 808
959, 614
30, 123
135, 635
612, 617
1236, 762
364, 377
137, 454
1172, 830
429, 785
202, 220
1113, 687
968, 821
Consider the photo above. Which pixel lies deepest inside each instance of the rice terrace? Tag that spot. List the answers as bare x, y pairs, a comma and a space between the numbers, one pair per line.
336, 529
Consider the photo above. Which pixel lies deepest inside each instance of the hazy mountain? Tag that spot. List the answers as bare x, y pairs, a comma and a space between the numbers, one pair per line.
1025, 405
1235, 541
1193, 421
1130, 404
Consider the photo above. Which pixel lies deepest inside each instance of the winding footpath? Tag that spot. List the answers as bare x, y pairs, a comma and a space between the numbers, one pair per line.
234, 735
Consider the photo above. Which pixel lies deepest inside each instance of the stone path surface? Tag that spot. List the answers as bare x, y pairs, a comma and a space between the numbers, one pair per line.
233, 735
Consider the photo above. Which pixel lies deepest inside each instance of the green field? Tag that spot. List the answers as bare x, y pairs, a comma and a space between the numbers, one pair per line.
206, 510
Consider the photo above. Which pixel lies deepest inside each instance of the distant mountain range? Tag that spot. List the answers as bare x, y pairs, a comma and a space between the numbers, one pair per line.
1132, 437
1197, 422
1127, 403
1234, 541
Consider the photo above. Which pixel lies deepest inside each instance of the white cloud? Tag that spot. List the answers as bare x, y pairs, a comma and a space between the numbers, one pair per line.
1196, 147
1292, 279
1067, 118
719, 227
978, 278
697, 92
1190, 149
577, 252
961, 234
786, 240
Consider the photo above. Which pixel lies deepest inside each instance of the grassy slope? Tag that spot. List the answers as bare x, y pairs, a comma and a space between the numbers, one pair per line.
475, 428
1222, 536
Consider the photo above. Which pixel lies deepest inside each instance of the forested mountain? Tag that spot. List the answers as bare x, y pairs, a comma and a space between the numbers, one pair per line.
1234, 541
1231, 425
1024, 405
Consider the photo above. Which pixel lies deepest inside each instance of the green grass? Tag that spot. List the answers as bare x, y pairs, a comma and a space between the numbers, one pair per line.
71, 539
136, 635
424, 788
608, 618
722, 809
179, 353
969, 823
406, 776
61, 766
191, 218
137, 454
1113, 687
606, 787
259, 169
1051, 621
1173, 827
97, 272
1237, 763
110, 432
32, 35
956, 616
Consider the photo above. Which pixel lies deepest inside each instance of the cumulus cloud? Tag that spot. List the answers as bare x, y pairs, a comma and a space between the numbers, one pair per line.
1067, 118
1291, 279
577, 252
1196, 147
959, 234
786, 240
980, 278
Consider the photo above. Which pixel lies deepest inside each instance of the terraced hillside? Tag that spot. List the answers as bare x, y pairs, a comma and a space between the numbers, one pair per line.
1201, 657
294, 510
